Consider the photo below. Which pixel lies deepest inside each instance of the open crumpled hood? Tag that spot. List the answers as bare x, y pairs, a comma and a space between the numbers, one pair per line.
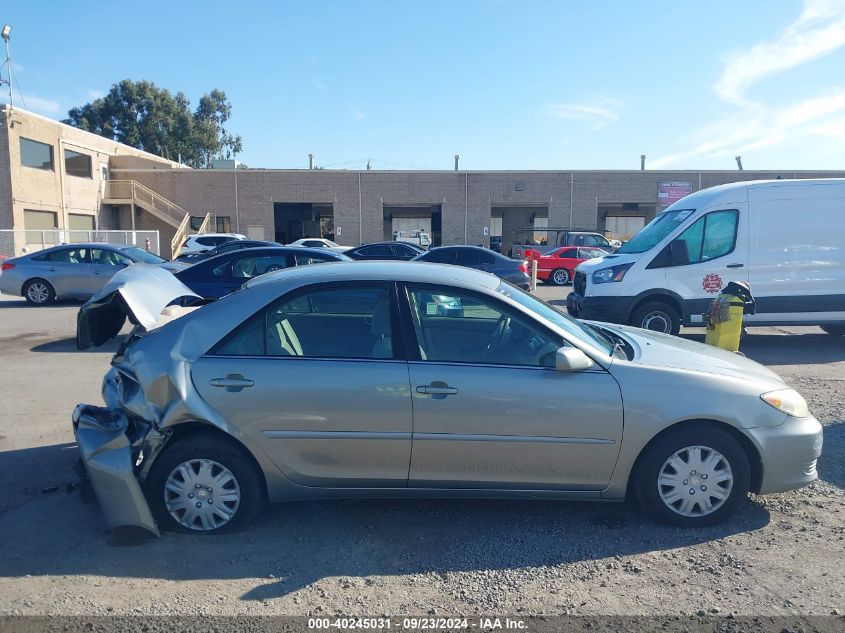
139, 292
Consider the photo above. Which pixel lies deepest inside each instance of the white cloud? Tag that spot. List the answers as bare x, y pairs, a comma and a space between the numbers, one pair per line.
753, 125
596, 114
37, 104
818, 31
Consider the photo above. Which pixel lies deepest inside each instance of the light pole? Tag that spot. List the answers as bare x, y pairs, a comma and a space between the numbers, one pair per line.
5, 35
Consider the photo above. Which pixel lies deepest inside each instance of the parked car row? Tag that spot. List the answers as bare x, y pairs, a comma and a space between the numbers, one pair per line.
78, 271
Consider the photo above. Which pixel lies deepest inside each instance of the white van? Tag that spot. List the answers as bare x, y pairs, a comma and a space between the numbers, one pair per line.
786, 238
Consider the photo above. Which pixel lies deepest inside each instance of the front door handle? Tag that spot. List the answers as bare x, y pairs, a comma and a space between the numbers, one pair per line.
437, 390
232, 382
735, 265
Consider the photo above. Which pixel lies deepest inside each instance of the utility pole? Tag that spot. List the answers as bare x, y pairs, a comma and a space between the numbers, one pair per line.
5, 35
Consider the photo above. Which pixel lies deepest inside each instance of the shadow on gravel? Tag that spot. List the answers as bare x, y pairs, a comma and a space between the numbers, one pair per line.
295, 544
69, 345
795, 349
832, 462
22, 303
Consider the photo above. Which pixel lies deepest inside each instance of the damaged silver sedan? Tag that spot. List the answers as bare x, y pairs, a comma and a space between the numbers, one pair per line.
352, 379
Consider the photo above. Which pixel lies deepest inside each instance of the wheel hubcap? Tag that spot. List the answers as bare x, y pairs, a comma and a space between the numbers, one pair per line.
202, 495
695, 481
38, 292
561, 277
657, 322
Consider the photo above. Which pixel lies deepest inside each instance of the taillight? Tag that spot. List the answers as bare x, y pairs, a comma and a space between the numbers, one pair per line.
524, 267
185, 245
7, 266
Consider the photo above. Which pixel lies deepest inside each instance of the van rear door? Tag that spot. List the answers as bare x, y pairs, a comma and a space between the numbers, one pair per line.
708, 254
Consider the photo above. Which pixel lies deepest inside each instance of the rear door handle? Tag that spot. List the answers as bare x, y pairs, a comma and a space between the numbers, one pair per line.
232, 382
735, 265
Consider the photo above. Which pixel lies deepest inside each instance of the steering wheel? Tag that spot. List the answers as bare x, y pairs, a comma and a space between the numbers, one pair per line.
499, 334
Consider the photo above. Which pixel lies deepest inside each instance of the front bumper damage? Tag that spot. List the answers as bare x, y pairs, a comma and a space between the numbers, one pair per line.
109, 443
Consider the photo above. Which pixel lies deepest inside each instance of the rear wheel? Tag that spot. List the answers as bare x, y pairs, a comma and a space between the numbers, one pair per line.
836, 330
205, 484
693, 477
38, 292
560, 277
657, 316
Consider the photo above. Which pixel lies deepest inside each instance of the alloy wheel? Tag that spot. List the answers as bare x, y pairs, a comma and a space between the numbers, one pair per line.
38, 292
695, 481
561, 277
202, 495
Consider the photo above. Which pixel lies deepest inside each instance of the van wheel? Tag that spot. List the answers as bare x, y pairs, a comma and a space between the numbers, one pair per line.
693, 477
657, 316
204, 484
836, 330
38, 292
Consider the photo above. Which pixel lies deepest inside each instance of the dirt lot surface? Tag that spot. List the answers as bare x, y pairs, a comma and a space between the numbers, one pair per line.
782, 555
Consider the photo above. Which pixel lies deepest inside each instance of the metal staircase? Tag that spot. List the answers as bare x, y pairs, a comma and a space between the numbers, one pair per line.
133, 192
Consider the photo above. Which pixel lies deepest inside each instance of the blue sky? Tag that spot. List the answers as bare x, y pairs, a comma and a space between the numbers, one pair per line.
507, 84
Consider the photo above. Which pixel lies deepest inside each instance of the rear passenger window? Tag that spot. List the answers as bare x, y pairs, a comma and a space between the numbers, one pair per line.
344, 322
68, 256
467, 257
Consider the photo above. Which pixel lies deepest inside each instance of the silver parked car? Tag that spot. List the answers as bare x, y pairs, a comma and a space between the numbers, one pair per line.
346, 379
71, 271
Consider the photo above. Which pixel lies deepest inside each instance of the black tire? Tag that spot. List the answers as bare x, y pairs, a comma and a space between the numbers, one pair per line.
560, 277
657, 316
651, 463
836, 330
38, 292
217, 448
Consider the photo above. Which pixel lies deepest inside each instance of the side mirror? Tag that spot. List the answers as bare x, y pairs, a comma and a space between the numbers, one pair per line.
572, 359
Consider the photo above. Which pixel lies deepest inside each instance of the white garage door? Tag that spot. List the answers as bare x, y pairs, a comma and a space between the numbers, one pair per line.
623, 227
412, 224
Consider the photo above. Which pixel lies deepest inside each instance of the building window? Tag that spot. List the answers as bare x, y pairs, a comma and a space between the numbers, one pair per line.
36, 155
224, 224
196, 222
77, 164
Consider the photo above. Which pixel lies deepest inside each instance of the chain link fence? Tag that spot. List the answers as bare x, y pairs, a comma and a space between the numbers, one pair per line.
19, 242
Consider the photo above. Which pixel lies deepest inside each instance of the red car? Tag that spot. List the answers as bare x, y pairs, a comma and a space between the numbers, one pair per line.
557, 266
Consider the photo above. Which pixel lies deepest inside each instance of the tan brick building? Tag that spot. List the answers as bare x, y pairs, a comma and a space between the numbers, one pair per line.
54, 173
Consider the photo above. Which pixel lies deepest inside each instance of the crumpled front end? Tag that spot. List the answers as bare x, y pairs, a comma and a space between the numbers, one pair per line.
110, 446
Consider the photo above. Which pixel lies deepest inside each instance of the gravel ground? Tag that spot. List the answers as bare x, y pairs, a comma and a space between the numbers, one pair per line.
781, 555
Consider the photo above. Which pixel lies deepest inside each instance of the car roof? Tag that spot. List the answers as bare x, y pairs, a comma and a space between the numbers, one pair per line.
235, 235
276, 250
389, 243
415, 272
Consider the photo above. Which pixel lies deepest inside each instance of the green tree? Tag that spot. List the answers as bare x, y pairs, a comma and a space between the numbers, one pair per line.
140, 114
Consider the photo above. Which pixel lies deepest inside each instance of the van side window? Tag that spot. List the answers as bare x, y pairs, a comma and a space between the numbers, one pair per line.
711, 236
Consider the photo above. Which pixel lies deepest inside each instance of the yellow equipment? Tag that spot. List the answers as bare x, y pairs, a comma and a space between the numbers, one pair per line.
724, 318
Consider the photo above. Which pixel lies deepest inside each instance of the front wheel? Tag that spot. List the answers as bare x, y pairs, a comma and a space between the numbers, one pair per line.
205, 484
836, 330
693, 477
560, 277
657, 316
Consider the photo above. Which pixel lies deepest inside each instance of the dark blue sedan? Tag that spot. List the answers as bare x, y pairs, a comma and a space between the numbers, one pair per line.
216, 277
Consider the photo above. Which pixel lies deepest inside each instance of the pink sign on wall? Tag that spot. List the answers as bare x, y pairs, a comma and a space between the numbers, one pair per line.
670, 192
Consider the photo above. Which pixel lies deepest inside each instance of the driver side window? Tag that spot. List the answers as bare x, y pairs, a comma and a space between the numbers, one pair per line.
464, 328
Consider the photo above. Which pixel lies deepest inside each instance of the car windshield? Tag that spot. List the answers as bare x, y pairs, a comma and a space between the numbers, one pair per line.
579, 330
140, 255
651, 235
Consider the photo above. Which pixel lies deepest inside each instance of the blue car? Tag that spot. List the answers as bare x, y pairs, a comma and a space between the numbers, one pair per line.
216, 277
